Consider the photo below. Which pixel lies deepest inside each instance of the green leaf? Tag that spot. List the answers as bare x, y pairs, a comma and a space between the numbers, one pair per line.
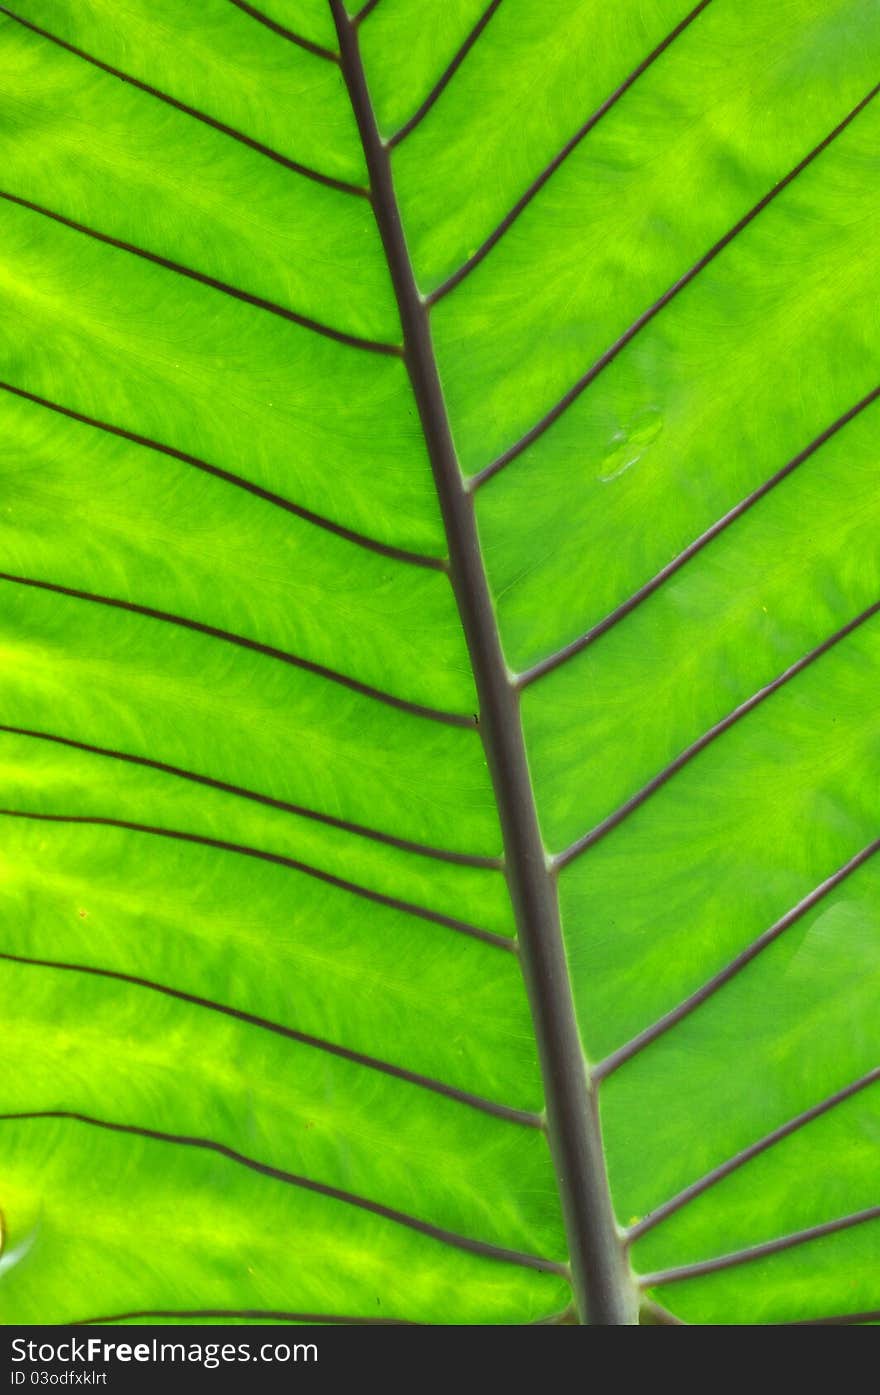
440, 637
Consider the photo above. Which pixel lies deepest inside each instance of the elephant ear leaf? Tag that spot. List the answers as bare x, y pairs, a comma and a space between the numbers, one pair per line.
440, 652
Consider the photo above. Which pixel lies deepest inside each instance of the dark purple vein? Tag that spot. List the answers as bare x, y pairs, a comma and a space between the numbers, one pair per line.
268, 651
596, 834
340, 336
342, 185
270, 1314
308, 44
549, 170
265, 1024
702, 995
769, 1247
603, 1292
445, 78
620, 612
567, 1317
398, 554
240, 792
645, 318
364, 11
279, 860
655, 1315
294, 1179
718, 1174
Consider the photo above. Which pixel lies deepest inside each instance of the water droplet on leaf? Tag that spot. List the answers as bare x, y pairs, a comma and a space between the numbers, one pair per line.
629, 444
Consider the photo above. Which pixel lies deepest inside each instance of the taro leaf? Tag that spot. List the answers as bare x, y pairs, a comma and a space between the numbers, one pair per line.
282, 1034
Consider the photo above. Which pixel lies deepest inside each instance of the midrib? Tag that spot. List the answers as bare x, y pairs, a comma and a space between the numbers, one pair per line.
603, 1288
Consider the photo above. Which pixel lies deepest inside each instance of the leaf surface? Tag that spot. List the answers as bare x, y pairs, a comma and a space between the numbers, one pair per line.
298, 953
